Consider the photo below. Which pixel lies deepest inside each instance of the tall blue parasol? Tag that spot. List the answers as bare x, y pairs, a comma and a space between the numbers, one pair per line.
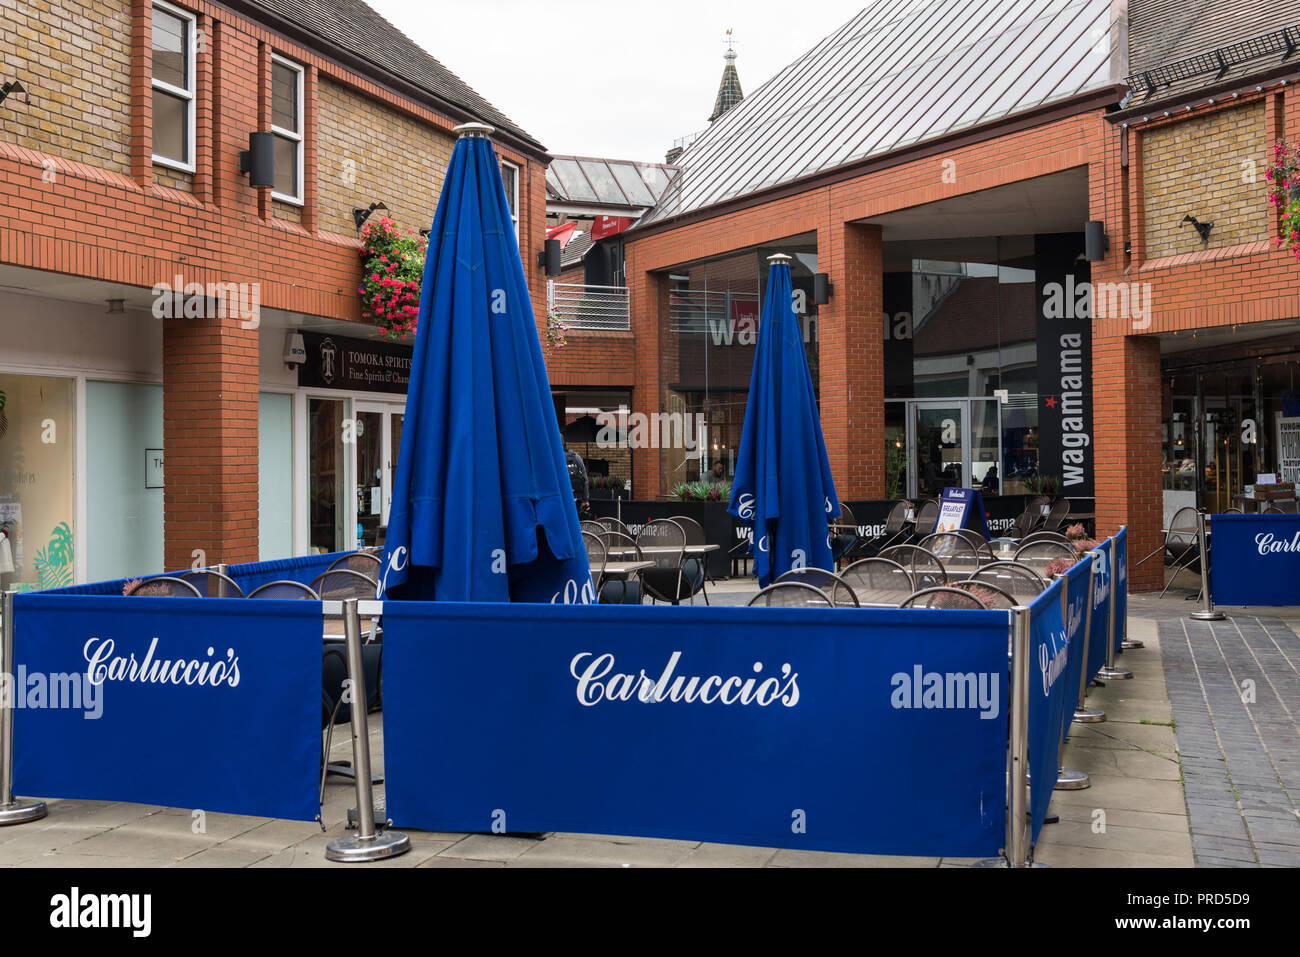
482, 506
783, 485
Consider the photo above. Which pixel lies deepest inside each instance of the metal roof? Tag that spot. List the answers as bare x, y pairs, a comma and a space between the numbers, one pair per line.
606, 182
899, 73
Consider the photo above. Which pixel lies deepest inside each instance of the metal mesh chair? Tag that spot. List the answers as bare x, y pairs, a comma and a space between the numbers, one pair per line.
592, 527
1181, 547
1275, 509
830, 584
1020, 581
991, 595
663, 542
1025, 521
287, 589
943, 597
164, 586
695, 567
614, 525
791, 595
879, 581
896, 527
344, 583
210, 582
597, 555
1038, 555
927, 516
926, 569
1057, 515
1045, 536
362, 562
958, 555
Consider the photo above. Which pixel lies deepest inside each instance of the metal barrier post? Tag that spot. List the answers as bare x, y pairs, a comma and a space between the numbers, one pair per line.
1108, 670
11, 811
1016, 851
366, 844
1207, 612
1067, 779
1082, 713
221, 582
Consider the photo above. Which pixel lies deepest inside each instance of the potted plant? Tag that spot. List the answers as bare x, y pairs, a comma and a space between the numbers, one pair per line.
392, 270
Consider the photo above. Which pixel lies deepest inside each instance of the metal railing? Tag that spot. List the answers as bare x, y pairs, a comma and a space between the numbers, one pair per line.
600, 308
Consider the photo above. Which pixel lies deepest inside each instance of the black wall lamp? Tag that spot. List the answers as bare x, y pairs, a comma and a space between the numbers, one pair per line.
359, 216
13, 86
1202, 228
549, 257
823, 289
1095, 241
258, 161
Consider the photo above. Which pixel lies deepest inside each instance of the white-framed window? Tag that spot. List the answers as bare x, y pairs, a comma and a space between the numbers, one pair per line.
287, 125
173, 86
510, 177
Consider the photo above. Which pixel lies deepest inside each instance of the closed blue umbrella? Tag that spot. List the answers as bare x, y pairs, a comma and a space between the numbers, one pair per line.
783, 485
482, 506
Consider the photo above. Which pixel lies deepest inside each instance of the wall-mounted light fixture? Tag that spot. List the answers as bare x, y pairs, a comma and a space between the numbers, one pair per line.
359, 216
823, 289
1202, 228
258, 161
13, 86
549, 257
1095, 241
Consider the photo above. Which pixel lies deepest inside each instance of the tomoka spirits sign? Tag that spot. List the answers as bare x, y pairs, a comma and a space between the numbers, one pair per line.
1065, 448
355, 365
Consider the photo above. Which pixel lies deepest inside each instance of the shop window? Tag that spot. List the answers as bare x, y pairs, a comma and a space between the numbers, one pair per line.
173, 87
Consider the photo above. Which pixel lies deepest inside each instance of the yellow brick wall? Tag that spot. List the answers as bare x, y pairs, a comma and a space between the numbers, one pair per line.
1204, 167
175, 178
74, 59
369, 152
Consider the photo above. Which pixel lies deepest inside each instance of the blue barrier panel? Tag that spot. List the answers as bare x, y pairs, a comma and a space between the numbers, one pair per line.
1255, 559
872, 731
1049, 696
1121, 585
1101, 585
303, 569
1076, 581
185, 702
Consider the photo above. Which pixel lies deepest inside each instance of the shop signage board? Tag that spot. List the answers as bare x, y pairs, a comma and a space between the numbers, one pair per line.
355, 365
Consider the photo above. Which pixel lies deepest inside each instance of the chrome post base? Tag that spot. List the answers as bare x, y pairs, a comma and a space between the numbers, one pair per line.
351, 849
20, 812
1131, 644
1089, 715
1070, 780
1208, 616
1114, 674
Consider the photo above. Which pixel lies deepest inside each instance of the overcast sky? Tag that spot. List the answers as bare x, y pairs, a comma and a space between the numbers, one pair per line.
612, 78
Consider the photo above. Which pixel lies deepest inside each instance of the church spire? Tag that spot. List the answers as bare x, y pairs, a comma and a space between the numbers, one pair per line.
729, 93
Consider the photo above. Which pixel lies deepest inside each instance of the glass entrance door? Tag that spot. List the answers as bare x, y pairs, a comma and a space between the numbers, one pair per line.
378, 436
949, 443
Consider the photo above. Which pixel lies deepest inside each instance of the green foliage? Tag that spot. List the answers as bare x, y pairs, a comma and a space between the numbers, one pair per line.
392, 270
1284, 195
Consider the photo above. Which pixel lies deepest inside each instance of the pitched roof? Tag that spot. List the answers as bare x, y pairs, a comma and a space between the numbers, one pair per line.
893, 76
1176, 41
357, 28
606, 182
729, 92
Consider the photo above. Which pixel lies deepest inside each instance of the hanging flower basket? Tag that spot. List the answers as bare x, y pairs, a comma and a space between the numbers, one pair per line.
555, 330
392, 269
1284, 195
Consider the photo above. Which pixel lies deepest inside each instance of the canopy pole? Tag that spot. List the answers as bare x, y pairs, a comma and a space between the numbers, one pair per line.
11, 811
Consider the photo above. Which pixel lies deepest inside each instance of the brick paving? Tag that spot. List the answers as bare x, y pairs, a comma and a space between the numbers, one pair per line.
1234, 690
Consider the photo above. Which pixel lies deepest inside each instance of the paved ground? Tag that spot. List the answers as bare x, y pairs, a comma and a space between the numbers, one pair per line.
1133, 815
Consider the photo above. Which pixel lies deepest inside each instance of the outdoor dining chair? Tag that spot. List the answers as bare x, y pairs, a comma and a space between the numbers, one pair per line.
830, 584
791, 595
1025, 522
958, 555
209, 582
991, 595
1057, 515
285, 589
663, 542
164, 586
362, 562
926, 569
597, 555
1019, 581
879, 581
1045, 536
612, 524
1181, 547
897, 523
1038, 555
927, 517
944, 596
695, 567
845, 536
593, 527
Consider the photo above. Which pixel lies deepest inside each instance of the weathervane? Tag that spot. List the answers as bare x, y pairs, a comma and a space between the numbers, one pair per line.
731, 53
